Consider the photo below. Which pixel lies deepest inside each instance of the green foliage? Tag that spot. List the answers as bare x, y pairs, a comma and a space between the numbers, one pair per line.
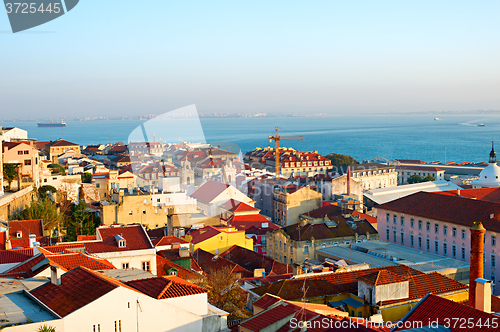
417, 179
340, 160
46, 328
81, 222
46, 210
57, 169
42, 191
87, 177
10, 173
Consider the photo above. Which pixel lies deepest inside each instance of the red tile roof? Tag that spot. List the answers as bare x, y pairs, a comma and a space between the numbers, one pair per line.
334, 283
24, 270
15, 255
209, 191
266, 301
434, 308
237, 206
163, 265
62, 142
165, 288
86, 238
251, 260
135, 236
383, 277
78, 288
210, 262
456, 210
483, 194
27, 227
203, 234
168, 240
247, 221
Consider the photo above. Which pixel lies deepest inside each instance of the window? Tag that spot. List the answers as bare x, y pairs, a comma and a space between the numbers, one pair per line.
291, 249
454, 232
412, 240
96, 185
395, 219
387, 217
454, 251
445, 230
130, 213
402, 237
27, 162
284, 246
445, 249
19, 152
436, 247
428, 244
493, 261
306, 249
412, 223
420, 224
280, 244
125, 266
143, 211
428, 226
402, 220
394, 236
97, 328
387, 234
436, 228
291, 261
420, 242
284, 259
146, 266
463, 234
463, 253
26, 152
493, 241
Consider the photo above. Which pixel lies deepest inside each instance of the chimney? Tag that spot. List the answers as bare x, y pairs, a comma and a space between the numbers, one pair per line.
476, 259
483, 295
32, 239
55, 275
458, 192
348, 180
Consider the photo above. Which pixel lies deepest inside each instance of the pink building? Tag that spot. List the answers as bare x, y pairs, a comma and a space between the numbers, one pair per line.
440, 224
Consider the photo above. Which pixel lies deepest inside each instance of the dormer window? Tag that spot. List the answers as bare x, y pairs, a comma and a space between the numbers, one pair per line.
120, 241
19, 234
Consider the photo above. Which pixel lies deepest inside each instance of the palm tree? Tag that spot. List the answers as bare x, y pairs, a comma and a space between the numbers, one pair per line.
46, 328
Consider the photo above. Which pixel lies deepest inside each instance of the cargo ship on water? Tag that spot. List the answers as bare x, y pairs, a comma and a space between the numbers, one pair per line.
52, 124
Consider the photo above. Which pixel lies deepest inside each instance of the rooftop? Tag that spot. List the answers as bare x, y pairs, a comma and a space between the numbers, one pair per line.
165, 287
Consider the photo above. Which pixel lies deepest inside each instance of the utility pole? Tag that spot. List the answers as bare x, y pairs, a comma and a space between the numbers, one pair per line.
445, 154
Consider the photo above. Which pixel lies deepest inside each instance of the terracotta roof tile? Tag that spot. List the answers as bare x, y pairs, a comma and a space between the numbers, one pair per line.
432, 308
483, 194
237, 206
15, 255
78, 288
266, 301
210, 262
165, 288
27, 227
168, 240
251, 260
163, 265
383, 277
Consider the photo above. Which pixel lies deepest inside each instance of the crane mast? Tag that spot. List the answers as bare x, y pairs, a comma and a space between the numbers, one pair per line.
277, 138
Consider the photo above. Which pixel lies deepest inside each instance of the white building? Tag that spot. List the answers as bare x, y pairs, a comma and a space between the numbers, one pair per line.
373, 175
490, 175
407, 171
13, 133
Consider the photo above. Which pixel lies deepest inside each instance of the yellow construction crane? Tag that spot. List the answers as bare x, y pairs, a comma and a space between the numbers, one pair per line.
277, 138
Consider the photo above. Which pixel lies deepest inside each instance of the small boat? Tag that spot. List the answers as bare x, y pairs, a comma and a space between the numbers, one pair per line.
437, 119
52, 124
481, 125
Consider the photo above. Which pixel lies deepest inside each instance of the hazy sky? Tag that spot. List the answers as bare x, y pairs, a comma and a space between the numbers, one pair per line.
130, 58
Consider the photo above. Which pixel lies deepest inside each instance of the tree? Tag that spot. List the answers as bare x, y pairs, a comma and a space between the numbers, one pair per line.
224, 291
81, 222
10, 173
417, 179
57, 169
87, 177
340, 160
45, 209
46, 328
43, 190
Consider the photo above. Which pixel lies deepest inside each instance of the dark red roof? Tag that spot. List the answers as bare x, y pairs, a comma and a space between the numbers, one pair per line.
135, 236
210, 190
163, 265
383, 277
62, 142
434, 308
78, 288
167, 240
483, 194
266, 301
457, 210
237, 206
15, 255
251, 260
164, 288
27, 227
254, 220
210, 262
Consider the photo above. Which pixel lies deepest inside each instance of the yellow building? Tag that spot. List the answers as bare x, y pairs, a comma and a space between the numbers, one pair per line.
218, 239
107, 183
59, 147
291, 201
128, 209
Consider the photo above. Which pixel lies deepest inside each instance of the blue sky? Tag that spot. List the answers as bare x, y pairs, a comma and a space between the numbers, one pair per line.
128, 58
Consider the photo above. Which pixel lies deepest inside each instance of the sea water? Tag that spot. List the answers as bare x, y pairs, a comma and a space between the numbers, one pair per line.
363, 137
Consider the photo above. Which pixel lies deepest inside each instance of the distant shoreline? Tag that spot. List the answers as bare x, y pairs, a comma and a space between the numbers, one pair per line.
260, 115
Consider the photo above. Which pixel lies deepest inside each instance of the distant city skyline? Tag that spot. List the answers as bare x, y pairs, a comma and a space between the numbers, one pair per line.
278, 58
